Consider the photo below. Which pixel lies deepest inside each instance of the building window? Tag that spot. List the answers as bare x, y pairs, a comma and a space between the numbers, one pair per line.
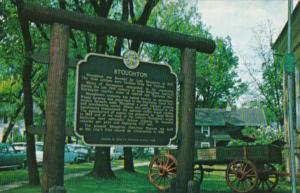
205, 145
205, 131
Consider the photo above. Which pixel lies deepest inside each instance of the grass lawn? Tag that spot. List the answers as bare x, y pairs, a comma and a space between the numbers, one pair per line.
215, 183
10, 176
124, 183
138, 183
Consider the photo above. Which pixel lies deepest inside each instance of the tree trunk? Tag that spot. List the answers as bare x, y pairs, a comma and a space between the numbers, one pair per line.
102, 166
185, 155
12, 122
128, 159
54, 145
32, 168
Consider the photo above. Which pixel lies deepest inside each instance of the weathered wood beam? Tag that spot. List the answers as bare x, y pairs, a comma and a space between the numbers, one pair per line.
39, 14
186, 143
54, 143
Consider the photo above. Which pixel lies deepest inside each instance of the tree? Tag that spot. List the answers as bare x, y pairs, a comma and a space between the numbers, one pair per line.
269, 85
263, 136
102, 160
169, 15
102, 166
217, 80
14, 44
135, 45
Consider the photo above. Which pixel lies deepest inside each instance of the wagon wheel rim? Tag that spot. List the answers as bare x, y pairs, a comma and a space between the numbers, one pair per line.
162, 169
241, 176
267, 178
198, 173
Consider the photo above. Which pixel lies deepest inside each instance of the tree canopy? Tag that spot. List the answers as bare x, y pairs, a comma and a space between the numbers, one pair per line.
217, 83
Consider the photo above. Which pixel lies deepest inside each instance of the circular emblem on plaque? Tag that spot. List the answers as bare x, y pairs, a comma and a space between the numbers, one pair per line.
131, 59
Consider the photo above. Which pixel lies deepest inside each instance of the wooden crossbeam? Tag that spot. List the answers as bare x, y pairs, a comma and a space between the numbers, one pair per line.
45, 15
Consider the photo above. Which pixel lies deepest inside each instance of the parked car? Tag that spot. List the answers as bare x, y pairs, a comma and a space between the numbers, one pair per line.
142, 152
83, 152
20, 146
39, 151
117, 153
70, 156
11, 158
137, 152
148, 152
86, 153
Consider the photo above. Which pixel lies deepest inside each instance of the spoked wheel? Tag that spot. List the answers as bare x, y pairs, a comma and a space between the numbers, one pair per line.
267, 178
241, 176
162, 169
198, 173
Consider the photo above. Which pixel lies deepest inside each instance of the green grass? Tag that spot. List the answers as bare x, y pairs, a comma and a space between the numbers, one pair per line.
11, 176
136, 183
124, 183
215, 183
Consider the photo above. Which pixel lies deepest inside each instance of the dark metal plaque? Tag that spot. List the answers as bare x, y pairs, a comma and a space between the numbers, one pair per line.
116, 105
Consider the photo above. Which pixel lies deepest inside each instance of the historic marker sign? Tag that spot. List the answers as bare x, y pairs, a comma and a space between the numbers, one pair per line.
116, 105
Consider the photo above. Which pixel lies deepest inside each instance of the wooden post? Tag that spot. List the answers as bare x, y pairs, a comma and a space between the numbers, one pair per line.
186, 141
53, 158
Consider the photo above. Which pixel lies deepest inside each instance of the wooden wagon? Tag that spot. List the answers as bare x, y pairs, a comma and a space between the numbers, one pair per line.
249, 168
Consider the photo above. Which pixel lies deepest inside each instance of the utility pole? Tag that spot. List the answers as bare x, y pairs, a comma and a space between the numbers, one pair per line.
290, 70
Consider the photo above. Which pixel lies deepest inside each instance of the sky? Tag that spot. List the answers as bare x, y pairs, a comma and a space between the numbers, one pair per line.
238, 19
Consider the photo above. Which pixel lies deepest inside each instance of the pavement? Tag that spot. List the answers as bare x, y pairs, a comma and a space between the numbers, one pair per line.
67, 177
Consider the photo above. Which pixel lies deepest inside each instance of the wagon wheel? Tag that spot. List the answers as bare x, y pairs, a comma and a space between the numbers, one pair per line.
267, 178
162, 169
241, 176
198, 173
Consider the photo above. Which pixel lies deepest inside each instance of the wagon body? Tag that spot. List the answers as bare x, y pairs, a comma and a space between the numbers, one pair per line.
249, 168
224, 155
